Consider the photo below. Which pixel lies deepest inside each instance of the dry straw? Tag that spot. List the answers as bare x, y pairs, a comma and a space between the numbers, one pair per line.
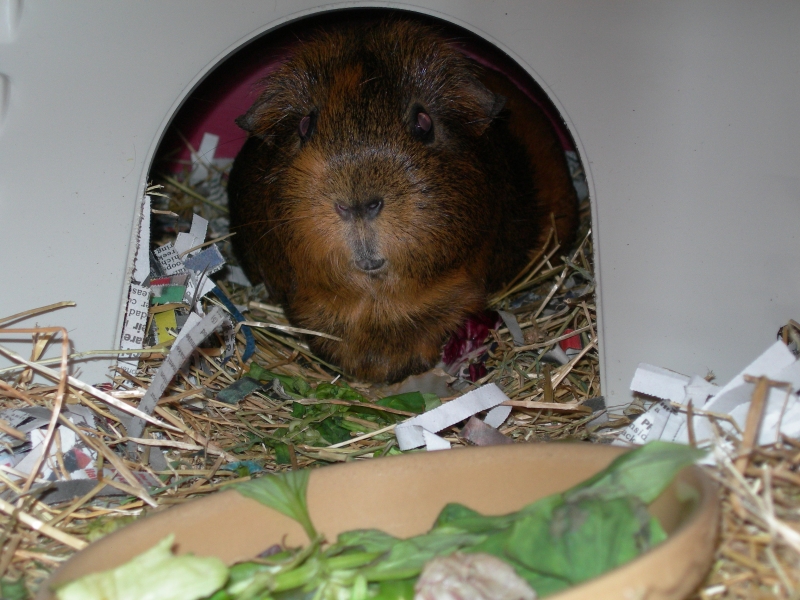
199, 435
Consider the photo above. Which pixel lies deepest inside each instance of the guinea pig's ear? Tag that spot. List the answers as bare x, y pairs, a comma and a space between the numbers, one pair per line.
488, 105
249, 120
246, 121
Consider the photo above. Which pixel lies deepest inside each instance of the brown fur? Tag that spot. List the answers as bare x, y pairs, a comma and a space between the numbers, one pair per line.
461, 210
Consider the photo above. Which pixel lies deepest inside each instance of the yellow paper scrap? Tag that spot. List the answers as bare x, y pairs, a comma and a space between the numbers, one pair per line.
165, 321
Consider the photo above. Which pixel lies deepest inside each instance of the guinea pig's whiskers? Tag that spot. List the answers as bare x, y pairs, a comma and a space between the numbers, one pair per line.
290, 219
366, 81
282, 223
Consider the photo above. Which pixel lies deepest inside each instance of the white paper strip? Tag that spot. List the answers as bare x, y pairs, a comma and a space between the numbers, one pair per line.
649, 425
28, 462
217, 189
169, 260
178, 355
698, 390
513, 327
781, 412
192, 321
141, 263
781, 405
199, 228
738, 393
659, 383
195, 237
133, 327
192, 294
138, 296
434, 442
497, 416
409, 433
236, 275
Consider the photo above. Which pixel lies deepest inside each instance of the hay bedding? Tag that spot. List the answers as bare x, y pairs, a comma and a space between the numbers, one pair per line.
213, 443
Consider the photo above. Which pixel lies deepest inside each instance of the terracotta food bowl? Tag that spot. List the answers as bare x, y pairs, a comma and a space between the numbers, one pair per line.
403, 495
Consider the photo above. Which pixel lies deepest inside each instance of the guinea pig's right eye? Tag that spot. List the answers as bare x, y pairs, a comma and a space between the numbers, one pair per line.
422, 125
306, 126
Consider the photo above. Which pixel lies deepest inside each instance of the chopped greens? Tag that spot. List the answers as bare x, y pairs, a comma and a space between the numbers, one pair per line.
321, 420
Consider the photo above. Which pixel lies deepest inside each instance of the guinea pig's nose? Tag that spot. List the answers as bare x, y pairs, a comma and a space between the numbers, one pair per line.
370, 264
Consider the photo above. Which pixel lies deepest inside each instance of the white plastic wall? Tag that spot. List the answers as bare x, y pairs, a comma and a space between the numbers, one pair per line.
685, 115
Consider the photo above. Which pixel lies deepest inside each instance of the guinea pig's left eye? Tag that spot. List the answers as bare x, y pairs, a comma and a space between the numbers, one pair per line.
306, 126
422, 125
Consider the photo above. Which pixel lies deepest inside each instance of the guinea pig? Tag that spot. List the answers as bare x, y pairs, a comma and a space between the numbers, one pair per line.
388, 185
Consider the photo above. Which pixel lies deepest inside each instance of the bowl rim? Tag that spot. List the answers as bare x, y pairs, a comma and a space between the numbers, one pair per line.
701, 520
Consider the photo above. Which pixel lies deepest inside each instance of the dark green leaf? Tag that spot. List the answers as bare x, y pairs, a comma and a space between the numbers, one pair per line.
643, 473
238, 390
580, 540
349, 393
327, 391
332, 430
259, 373
300, 386
376, 414
295, 387
251, 440
431, 401
409, 402
282, 454
462, 518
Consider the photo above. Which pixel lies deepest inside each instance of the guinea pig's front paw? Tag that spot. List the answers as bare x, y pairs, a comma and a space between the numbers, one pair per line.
380, 358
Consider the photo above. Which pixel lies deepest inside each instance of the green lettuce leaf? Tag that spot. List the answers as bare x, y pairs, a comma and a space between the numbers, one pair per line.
156, 574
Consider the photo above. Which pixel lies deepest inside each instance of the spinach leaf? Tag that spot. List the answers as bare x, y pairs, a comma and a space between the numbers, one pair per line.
644, 472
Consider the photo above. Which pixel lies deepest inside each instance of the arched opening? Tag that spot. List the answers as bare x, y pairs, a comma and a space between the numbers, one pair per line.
194, 160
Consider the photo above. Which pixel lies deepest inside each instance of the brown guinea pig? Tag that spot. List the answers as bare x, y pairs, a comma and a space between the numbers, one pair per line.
387, 186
